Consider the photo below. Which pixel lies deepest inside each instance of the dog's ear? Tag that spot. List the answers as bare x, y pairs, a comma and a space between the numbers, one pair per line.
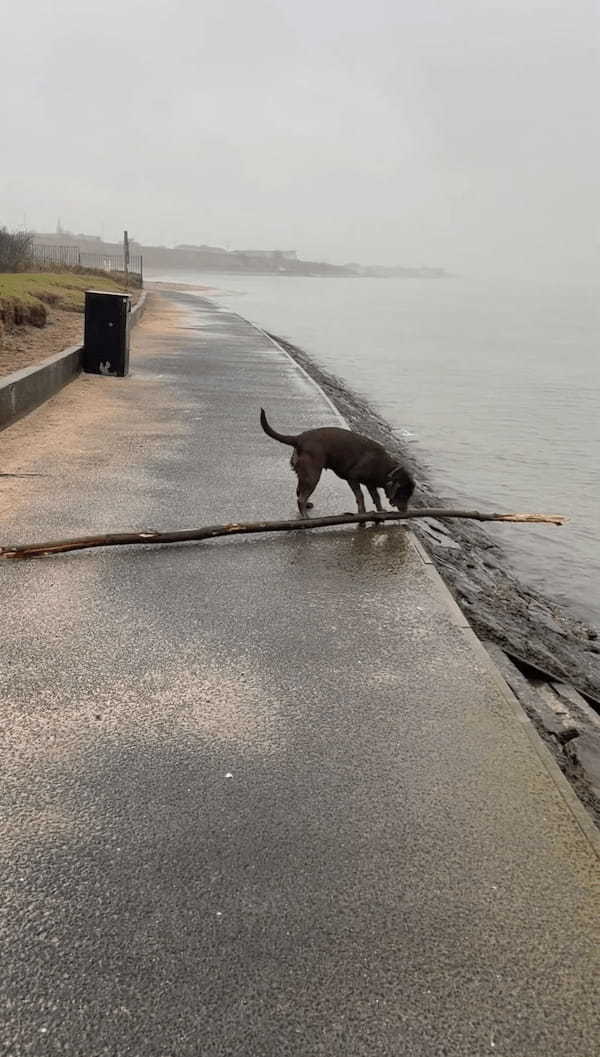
398, 474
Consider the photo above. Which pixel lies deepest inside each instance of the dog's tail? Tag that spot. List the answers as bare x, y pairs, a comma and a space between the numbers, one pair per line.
283, 438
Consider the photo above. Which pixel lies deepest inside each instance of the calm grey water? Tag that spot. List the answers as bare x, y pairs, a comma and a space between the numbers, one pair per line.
497, 384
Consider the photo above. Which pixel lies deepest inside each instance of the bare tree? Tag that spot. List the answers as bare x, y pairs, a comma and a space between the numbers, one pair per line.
16, 250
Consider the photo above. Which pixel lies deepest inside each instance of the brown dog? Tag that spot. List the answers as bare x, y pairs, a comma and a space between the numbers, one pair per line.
354, 458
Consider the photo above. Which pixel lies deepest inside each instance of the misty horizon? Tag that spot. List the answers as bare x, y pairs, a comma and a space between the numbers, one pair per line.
455, 135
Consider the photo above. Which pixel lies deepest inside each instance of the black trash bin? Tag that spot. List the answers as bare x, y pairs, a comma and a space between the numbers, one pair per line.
106, 333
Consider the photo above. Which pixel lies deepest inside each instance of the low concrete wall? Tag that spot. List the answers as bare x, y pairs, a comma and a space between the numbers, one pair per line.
25, 390
138, 310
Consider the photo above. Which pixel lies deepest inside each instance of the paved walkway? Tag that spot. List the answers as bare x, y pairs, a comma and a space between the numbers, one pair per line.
260, 796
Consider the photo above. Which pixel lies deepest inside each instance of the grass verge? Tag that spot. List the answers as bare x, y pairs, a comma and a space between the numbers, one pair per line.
42, 313
24, 296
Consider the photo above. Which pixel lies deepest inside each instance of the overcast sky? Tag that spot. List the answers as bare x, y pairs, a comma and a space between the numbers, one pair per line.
460, 133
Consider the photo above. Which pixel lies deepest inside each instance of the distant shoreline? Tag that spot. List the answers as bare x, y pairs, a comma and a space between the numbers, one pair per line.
235, 262
210, 269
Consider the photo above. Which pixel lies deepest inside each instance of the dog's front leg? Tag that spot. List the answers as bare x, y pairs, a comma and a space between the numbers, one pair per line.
358, 495
373, 492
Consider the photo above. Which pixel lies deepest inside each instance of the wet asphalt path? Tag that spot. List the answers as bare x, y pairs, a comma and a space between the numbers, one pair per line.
259, 797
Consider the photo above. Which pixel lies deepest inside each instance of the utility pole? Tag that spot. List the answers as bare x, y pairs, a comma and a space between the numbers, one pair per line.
126, 258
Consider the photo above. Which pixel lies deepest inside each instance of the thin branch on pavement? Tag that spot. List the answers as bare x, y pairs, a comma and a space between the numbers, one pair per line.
125, 539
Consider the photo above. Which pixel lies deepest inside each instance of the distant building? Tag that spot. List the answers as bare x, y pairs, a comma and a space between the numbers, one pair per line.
284, 255
67, 238
190, 248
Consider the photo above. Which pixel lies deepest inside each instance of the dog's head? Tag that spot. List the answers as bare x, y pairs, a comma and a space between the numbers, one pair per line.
399, 487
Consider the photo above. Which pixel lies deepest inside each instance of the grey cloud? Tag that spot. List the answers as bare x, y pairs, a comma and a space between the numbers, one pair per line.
440, 132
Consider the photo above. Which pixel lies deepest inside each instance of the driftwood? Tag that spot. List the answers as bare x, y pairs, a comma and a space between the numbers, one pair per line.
122, 539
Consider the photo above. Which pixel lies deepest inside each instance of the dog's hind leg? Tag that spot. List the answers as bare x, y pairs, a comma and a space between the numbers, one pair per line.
309, 473
373, 492
306, 487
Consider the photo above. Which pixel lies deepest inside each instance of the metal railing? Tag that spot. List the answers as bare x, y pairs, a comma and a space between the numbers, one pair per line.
72, 256
111, 262
67, 255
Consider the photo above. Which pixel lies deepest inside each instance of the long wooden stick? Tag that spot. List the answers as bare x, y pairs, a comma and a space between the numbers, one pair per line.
121, 539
